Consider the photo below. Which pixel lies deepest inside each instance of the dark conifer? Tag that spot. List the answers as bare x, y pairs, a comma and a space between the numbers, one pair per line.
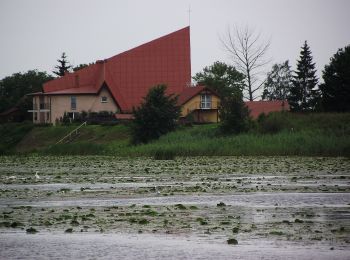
303, 95
63, 66
336, 87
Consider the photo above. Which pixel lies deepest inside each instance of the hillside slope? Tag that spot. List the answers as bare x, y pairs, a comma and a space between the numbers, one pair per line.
278, 134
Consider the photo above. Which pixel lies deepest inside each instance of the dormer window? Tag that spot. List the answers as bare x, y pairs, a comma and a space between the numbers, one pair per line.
104, 99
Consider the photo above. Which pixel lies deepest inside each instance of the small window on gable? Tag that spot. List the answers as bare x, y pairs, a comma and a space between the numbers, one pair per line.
104, 99
205, 101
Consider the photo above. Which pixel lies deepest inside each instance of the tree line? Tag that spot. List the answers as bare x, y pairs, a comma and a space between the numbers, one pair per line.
300, 87
14, 88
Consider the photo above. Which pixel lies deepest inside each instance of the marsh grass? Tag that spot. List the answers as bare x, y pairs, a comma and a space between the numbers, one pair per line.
279, 134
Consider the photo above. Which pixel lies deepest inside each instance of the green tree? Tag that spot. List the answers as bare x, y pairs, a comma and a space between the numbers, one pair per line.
234, 115
278, 82
336, 87
303, 95
221, 78
13, 89
63, 66
156, 116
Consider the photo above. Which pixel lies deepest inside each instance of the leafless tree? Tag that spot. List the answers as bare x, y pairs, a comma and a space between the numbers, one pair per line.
248, 56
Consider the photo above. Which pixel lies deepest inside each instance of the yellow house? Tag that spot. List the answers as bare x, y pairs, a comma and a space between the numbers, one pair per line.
199, 104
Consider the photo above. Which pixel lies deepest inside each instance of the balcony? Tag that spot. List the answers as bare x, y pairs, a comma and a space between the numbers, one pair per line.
203, 106
42, 107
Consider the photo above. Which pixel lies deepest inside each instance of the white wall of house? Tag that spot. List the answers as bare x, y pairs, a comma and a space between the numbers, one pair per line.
59, 104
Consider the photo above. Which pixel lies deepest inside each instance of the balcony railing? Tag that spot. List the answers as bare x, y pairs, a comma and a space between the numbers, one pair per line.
204, 106
41, 106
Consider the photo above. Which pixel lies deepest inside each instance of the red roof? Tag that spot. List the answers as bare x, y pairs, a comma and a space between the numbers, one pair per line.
190, 92
129, 75
258, 107
80, 90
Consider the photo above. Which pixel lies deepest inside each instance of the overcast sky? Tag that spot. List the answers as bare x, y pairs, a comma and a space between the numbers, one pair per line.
34, 33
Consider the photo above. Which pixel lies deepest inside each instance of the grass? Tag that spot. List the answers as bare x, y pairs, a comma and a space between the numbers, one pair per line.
279, 134
11, 134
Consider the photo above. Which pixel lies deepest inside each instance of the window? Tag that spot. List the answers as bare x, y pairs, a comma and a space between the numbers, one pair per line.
73, 103
104, 100
42, 102
205, 101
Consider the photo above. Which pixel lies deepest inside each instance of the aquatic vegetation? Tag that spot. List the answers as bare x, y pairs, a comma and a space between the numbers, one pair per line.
143, 221
213, 198
276, 232
232, 241
31, 230
221, 204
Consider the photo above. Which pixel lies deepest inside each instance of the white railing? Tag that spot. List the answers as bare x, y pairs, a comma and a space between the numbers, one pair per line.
75, 131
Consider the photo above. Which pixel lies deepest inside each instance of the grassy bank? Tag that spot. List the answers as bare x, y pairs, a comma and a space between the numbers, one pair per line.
279, 134
11, 134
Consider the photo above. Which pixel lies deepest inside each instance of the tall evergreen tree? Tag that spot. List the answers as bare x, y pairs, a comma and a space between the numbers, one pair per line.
63, 66
303, 95
336, 87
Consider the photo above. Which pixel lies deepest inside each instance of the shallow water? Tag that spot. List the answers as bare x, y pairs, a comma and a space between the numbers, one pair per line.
282, 208
126, 246
263, 199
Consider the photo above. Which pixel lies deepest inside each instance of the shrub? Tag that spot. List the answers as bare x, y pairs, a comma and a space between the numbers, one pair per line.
272, 123
156, 116
234, 115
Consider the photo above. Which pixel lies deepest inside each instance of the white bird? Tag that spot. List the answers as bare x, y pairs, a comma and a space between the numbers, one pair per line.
12, 177
157, 191
37, 175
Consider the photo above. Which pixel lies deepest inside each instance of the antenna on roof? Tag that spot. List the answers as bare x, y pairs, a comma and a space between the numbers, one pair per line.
189, 15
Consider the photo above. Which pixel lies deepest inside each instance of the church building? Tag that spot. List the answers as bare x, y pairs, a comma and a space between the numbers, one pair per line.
119, 83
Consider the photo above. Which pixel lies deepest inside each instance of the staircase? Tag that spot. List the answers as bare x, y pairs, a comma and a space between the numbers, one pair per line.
69, 137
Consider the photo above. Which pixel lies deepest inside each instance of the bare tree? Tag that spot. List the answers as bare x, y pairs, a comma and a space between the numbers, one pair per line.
248, 56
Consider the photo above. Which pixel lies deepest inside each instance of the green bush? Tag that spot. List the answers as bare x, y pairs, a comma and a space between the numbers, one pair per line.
272, 123
234, 115
156, 116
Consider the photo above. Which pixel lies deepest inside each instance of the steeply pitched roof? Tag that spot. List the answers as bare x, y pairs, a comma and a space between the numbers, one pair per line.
69, 91
131, 74
190, 92
258, 107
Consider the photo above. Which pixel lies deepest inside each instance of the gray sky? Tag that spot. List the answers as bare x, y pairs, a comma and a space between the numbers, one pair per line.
34, 33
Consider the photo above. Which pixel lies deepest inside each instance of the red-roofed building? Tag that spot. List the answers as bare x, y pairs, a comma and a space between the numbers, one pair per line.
119, 83
259, 107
